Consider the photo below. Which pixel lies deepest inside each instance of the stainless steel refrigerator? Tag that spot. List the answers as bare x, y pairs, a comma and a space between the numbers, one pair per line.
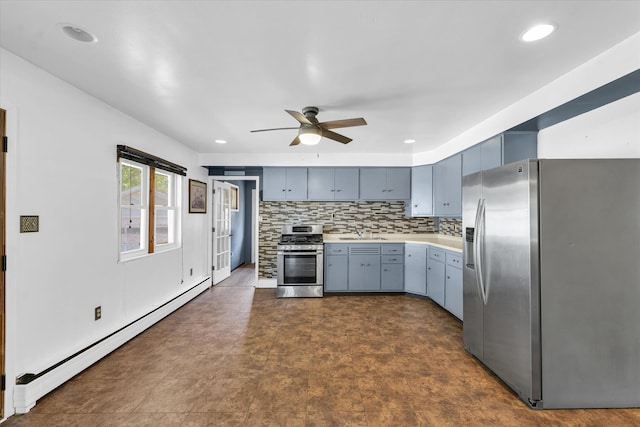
552, 279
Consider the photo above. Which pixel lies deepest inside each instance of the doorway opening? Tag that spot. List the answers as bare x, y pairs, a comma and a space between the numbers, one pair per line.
234, 239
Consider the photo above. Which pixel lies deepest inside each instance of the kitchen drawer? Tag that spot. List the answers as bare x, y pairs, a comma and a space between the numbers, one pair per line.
393, 249
392, 259
437, 254
454, 260
333, 249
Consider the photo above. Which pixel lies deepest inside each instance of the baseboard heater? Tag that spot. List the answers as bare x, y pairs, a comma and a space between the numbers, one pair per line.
31, 387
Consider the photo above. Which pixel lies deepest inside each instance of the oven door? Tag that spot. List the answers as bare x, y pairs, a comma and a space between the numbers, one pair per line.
300, 268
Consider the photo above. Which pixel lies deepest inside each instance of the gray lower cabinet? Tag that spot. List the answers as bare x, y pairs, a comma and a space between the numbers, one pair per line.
364, 271
415, 268
444, 276
336, 267
392, 274
453, 285
435, 275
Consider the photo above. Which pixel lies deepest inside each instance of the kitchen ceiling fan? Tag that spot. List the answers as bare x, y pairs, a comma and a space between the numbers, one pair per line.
311, 131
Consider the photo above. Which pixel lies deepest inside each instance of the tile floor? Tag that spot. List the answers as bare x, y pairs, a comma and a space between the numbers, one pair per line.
237, 356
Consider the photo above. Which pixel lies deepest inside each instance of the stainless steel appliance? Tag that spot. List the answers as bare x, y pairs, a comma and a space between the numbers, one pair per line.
552, 279
300, 261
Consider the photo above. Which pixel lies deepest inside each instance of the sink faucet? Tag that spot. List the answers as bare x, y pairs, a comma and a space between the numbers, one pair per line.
359, 233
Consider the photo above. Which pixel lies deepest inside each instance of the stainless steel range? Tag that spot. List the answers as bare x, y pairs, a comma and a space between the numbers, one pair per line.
300, 261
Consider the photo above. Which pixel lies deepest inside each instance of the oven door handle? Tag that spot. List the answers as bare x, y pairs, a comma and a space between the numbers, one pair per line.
310, 252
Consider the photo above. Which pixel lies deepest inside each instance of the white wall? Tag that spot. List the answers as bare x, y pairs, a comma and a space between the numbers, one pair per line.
612, 131
62, 167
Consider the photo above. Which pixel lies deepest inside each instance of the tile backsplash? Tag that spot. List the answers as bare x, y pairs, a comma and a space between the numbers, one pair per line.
450, 226
337, 217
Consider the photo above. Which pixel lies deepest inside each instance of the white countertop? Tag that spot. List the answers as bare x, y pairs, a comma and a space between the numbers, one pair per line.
446, 242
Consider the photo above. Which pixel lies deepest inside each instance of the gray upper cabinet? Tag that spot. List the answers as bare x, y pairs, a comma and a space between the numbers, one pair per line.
385, 183
421, 191
284, 184
447, 186
333, 183
505, 148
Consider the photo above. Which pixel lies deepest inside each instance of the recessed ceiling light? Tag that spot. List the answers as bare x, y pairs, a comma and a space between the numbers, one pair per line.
77, 33
220, 141
409, 141
538, 32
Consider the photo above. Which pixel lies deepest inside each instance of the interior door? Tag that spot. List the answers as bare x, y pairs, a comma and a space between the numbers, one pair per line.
221, 231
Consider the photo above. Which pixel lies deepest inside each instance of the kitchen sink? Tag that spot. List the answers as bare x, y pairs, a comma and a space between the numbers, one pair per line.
363, 238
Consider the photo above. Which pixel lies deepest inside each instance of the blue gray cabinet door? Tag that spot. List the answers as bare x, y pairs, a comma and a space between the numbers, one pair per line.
373, 183
364, 272
472, 160
392, 277
447, 176
415, 269
296, 183
284, 184
336, 273
347, 183
491, 153
398, 184
453, 291
422, 190
435, 280
320, 184
274, 186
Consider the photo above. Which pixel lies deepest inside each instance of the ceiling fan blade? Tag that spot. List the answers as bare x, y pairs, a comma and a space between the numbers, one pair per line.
335, 136
334, 124
295, 141
266, 130
299, 117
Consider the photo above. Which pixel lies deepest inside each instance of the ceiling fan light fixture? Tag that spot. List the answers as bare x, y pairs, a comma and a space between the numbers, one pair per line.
310, 135
409, 141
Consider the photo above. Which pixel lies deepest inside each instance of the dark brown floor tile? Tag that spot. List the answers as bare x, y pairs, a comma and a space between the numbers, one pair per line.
331, 394
214, 419
337, 419
281, 393
173, 395
226, 395
276, 419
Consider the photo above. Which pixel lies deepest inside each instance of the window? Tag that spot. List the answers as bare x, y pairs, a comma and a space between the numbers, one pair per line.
133, 209
149, 220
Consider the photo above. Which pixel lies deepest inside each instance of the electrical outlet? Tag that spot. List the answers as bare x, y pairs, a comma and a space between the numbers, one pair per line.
98, 312
191, 272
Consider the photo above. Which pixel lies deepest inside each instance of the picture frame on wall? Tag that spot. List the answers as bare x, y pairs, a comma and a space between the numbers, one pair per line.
197, 196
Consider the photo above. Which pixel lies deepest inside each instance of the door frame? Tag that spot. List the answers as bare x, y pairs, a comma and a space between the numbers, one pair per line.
3, 294
255, 219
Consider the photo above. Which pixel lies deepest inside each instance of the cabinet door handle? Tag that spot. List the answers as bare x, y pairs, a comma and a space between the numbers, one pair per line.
338, 191
428, 268
333, 191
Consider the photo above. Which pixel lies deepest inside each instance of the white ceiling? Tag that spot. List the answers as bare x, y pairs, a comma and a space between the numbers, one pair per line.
204, 70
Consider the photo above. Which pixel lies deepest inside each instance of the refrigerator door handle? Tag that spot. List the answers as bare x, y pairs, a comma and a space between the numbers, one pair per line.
476, 250
481, 235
